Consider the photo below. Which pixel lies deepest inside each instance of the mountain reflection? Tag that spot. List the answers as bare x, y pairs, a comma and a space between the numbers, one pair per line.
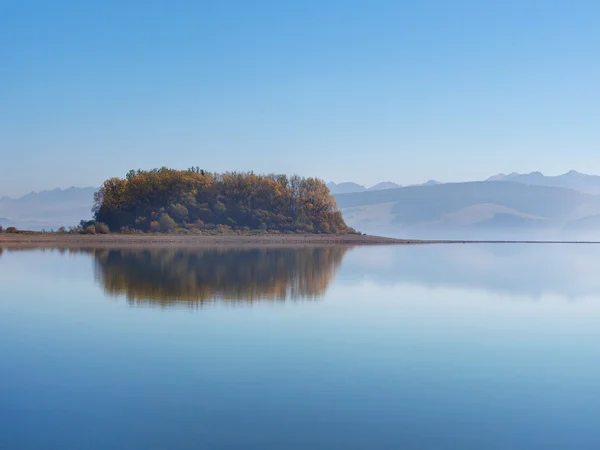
167, 276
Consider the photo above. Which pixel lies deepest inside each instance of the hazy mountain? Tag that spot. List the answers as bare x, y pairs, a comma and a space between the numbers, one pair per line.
585, 228
350, 187
48, 209
571, 180
384, 185
466, 210
345, 188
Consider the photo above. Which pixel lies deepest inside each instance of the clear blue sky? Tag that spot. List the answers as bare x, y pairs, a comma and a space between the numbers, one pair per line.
345, 90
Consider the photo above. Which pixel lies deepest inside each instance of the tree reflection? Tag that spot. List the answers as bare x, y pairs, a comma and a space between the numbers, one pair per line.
167, 276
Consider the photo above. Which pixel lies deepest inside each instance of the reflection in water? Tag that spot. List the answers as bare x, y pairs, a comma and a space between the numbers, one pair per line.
528, 270
168, 276
174, 275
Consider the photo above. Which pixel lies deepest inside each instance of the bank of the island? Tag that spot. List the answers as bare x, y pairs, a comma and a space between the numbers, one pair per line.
145, 240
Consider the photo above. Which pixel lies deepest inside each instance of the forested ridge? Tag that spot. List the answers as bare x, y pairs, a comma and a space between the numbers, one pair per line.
165, 200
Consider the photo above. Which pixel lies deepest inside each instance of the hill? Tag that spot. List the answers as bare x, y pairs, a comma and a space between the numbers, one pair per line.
345, 188
384, 185
166, 199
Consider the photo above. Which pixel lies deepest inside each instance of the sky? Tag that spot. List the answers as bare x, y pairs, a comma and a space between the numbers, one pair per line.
344, 90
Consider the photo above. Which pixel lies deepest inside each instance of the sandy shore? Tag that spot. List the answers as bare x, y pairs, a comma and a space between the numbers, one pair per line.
112, 240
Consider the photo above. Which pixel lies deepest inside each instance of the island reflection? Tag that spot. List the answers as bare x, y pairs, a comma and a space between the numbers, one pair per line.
172, 277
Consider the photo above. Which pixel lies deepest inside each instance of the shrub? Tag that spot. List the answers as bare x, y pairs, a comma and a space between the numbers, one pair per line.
223, 229
127, 230
90, 229
62, 230
178, 212
1, 229
11, 230
166, 223
154, 226
102, 228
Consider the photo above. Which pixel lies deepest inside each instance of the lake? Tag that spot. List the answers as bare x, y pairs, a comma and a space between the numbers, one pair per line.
456, 347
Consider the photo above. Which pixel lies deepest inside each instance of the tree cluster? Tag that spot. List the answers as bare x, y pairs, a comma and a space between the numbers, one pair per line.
164, 200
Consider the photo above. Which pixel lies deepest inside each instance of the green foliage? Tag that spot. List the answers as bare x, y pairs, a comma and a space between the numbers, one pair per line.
166, 200
178, 212
166, 223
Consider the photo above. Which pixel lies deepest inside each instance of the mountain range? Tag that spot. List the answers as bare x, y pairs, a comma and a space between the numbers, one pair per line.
47, 209
515, 205
349, 187
482, 209
571, 180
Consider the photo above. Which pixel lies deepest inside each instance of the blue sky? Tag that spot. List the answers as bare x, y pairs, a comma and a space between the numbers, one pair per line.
341, 89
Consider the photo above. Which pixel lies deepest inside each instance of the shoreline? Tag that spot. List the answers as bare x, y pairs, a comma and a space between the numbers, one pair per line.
268, 240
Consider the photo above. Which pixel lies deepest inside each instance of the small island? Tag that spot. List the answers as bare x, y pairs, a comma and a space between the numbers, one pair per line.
196, 207
171, 201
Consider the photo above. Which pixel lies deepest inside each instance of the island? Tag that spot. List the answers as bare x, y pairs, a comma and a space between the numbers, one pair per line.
168, 200
196, 207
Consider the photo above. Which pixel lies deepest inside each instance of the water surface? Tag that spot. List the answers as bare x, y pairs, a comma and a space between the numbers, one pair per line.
425, 347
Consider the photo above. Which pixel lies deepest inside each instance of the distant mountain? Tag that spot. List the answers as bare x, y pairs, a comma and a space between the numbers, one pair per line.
470, 209
350, 187
345, 188
430, 183
384, 185
581, 182
48, 209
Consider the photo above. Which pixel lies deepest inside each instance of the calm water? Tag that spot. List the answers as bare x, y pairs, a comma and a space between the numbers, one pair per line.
434, 347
